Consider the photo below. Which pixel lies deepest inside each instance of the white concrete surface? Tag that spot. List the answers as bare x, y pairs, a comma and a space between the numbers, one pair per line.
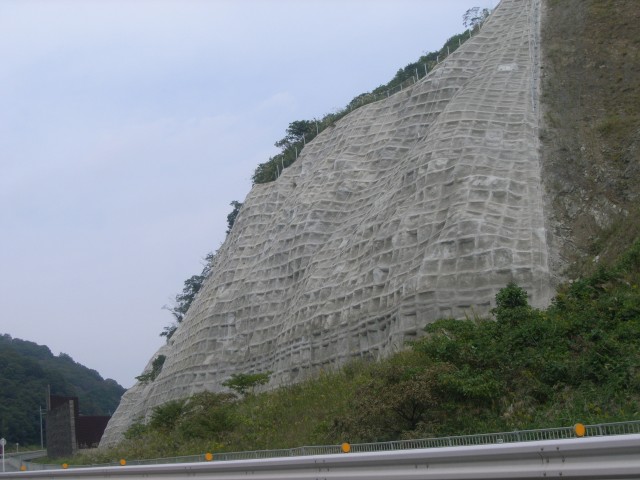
410, 209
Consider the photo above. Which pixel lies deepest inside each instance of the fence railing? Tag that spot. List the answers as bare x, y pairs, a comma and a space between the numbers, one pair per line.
595, 458
421, 71
561, 433
287, 157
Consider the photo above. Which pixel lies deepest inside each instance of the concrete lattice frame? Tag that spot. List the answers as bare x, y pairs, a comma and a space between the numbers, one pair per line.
410, 209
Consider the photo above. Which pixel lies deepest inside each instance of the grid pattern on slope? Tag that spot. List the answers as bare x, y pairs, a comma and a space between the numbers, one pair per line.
455, 201
419, 206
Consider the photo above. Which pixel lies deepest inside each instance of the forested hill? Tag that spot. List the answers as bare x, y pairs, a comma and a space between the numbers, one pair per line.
26, 369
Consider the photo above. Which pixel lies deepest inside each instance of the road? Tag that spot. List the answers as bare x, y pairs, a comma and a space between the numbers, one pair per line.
13, 461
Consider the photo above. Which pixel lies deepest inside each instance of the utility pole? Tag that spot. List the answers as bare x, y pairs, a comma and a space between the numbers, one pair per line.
41, 435
3, 442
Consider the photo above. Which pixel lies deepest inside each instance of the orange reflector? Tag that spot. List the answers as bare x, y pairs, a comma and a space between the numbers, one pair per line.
580, 429
23, 468
208, 456
346, 448
123, 462
65, 465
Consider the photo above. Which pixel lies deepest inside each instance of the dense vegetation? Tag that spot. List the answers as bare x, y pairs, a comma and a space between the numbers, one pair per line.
578, 360
27, 370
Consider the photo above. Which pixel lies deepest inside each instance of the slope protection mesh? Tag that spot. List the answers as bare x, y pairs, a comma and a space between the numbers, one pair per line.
409, 209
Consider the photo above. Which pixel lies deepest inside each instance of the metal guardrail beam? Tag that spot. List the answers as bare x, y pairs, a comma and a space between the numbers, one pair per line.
602, 458
557, 433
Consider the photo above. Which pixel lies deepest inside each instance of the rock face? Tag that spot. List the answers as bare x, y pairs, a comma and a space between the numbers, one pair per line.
410, 209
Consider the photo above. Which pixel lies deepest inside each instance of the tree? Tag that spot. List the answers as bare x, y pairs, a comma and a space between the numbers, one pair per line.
207, 414
231, 218
297, 132
475, 17
511, 304
156, 368
511, 296
244, 383
192, 286
166, 416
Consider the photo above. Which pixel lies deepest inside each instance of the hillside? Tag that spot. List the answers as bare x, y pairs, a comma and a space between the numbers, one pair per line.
515, 160
518, 369
26, 371
418, 206
590, 133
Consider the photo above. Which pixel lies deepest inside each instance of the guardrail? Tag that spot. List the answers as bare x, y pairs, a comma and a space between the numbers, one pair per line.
597, 430
615, 457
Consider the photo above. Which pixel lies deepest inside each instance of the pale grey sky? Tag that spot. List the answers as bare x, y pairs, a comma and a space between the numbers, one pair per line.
127, 128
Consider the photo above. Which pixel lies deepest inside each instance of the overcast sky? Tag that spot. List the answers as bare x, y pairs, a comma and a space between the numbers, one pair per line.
127, 128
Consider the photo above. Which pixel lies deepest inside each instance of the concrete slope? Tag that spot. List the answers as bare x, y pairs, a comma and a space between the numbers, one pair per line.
407, 210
